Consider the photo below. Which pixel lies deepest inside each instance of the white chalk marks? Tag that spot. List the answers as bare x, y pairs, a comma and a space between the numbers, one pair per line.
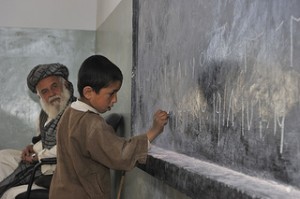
293, 21
230, 73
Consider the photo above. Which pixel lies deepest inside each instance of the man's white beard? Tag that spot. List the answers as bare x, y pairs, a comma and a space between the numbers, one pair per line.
54, 109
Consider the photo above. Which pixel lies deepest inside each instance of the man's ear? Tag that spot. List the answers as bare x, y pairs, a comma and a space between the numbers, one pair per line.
87, 92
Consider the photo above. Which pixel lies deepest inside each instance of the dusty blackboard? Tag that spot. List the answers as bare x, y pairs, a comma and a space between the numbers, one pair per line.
229, 73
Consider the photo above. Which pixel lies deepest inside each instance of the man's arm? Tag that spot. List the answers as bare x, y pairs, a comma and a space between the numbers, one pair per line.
47, 153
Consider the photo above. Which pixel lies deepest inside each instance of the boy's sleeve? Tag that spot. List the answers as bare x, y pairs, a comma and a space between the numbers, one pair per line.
116, 152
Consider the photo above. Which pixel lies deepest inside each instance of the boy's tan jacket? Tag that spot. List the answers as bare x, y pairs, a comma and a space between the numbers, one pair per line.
87, 148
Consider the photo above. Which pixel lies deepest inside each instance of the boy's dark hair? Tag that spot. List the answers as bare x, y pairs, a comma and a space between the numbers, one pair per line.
97, 72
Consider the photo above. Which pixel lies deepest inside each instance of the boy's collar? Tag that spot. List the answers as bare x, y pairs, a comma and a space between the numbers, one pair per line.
81, 106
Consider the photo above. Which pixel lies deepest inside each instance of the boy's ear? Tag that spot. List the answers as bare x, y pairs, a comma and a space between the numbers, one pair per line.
87, 92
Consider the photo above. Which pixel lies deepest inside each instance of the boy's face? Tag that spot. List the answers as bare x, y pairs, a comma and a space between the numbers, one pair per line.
106, 98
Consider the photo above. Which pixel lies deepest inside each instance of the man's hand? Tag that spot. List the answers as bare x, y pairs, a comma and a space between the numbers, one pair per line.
28, 155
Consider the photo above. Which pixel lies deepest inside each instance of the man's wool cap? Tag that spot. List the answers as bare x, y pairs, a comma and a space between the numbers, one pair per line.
42, 71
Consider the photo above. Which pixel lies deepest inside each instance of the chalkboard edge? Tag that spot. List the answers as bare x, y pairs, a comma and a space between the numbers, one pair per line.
197, 178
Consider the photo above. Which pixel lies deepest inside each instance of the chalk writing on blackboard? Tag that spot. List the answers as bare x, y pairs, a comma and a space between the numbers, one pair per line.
230, 73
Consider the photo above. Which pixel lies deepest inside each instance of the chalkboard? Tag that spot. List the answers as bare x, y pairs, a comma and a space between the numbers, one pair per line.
228, 70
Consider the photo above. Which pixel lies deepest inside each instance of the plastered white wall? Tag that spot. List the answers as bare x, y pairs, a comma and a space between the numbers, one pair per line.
55, 14
105, 8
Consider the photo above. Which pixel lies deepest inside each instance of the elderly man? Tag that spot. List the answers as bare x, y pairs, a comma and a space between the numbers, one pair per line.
50, 83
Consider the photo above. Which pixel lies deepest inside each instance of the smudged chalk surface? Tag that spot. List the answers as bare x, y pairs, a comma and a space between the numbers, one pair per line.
197, 178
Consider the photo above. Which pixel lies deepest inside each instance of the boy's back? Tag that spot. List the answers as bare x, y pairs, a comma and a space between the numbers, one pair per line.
88, 147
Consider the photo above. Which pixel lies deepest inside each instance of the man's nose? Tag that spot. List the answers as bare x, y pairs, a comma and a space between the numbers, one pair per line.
53, 92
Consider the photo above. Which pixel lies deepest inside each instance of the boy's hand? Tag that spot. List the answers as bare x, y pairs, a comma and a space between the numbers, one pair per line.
160, 119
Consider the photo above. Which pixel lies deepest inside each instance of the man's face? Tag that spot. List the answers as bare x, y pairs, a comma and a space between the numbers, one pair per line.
50, 89
53, 95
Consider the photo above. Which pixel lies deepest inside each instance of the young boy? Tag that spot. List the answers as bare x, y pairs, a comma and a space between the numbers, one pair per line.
87, 147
